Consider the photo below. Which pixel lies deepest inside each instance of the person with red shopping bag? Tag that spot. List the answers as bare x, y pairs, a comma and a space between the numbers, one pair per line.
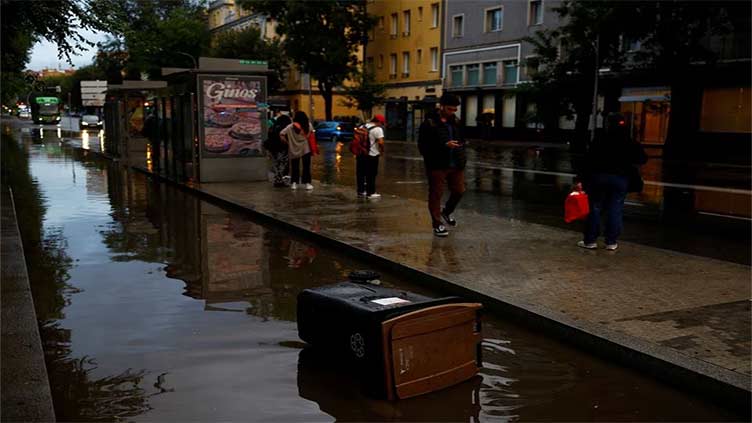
576, 206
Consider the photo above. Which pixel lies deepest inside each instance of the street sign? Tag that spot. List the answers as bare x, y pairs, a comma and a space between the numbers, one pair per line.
93, 93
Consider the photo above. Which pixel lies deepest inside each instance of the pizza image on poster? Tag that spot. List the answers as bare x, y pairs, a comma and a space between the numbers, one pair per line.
233, 124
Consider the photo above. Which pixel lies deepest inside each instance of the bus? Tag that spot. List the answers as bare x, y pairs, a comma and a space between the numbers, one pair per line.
45, 110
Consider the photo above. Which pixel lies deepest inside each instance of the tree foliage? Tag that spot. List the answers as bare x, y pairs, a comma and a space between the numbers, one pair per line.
365, 94
320, 37
249, 44
672, 36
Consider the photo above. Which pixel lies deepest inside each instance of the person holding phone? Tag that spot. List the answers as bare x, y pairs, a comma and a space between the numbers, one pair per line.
442, 146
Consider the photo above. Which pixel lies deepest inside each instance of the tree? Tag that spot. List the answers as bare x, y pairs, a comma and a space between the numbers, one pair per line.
249, 44
365, 94
320, 37
156, 34
24, 23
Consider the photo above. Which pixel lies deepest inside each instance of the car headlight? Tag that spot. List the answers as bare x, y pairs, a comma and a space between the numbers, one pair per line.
339, 128
84, 124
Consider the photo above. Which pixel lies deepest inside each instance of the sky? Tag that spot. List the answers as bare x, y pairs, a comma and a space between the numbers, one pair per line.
44, 54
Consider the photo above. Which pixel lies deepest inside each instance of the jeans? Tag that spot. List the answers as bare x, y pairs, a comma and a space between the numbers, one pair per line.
366, 169
606, 193
436, 178
295, 169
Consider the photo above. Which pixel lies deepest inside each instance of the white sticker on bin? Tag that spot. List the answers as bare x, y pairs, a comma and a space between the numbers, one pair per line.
390, 301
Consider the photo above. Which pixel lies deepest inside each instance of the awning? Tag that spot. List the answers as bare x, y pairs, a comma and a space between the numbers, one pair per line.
642, 98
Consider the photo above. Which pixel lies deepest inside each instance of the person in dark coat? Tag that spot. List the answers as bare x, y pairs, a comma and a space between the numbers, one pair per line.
611, 163
278, 149
442, 146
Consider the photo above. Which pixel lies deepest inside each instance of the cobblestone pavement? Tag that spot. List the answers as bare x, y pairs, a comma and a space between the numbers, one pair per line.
696, 306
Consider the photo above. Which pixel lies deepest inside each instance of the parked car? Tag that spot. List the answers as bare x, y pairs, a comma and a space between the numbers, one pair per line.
90, 121
24, 114
334, 131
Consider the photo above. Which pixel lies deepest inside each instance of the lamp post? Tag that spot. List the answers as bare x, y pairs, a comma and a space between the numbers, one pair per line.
193, 59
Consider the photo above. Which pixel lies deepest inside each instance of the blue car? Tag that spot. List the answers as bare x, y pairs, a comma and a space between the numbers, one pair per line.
334, 131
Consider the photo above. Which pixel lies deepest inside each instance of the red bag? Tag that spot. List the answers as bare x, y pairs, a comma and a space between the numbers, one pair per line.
312, 144
576, 206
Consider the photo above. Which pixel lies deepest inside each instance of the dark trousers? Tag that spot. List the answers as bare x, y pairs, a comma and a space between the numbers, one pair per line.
436, 179
606, 194
295, 169
280, 165
366, 169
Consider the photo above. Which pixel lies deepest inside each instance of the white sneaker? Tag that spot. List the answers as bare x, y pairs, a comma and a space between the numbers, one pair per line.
293, 185
612, 247
362, 194
589, 246
375, 195
309, 187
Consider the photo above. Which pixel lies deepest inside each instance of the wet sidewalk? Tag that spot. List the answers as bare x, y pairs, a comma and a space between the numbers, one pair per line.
690, 311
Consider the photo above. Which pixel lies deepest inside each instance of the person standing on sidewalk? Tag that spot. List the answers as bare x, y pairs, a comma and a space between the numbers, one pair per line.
443, 149
611, 169
278, 149
367, 165
297, 137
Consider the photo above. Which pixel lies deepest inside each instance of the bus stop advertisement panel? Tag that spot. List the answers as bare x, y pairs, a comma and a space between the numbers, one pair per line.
232, 127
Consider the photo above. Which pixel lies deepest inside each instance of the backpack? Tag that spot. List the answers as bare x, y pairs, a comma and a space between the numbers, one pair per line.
361, 143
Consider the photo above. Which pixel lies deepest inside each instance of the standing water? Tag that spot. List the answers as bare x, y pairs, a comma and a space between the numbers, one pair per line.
157, 306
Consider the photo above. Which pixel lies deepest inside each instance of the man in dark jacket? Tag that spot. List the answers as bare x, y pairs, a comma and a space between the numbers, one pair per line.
443, 149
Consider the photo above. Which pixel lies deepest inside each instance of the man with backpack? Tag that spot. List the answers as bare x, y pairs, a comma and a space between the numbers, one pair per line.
367, 145
443, 149
278, 149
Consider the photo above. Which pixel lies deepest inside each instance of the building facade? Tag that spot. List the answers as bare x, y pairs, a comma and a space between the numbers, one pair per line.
484, 61
404, 53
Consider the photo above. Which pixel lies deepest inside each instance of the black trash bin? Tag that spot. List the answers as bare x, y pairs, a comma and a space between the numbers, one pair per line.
398, 343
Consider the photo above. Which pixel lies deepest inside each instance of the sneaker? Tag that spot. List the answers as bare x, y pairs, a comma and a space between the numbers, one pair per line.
440, 231
448, 219
612, 247
374, 195
309, 187
293, 185
588, 246
362, 194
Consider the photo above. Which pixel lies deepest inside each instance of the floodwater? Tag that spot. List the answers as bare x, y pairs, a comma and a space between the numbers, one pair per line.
157, 306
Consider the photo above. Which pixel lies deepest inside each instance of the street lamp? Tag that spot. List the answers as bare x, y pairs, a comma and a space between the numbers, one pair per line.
193, 59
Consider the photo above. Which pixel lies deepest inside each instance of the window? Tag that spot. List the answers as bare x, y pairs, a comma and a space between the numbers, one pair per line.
456, 72
726, 110
435, 15
405, 63
535, 14
372, 34
489, 104
531, 66
406, 23
473, 74
434, 59
510, 72
393, 64
419, 59
471, 110
369, 65
381, 61
381, 22
420, 13
489, 74
393, 28
458, 26
494, 19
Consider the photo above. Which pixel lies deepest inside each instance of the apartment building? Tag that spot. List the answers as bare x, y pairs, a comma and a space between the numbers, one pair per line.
483, 61
404, 53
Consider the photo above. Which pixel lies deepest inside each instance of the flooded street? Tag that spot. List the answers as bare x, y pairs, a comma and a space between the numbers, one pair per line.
158, 306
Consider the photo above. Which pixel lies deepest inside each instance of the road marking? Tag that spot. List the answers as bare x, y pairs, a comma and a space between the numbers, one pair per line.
572, 175
727, 216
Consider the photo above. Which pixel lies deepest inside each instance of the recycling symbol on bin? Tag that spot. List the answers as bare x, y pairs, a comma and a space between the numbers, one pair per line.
357, 345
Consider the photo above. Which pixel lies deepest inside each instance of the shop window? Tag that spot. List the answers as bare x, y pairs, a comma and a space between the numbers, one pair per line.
489, 74
509, 111
489, 108
726, 110
471, 110
473, 74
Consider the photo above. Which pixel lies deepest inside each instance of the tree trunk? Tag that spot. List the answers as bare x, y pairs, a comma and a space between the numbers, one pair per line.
326, 92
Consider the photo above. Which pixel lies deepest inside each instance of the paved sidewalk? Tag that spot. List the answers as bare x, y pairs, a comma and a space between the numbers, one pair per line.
681, 307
